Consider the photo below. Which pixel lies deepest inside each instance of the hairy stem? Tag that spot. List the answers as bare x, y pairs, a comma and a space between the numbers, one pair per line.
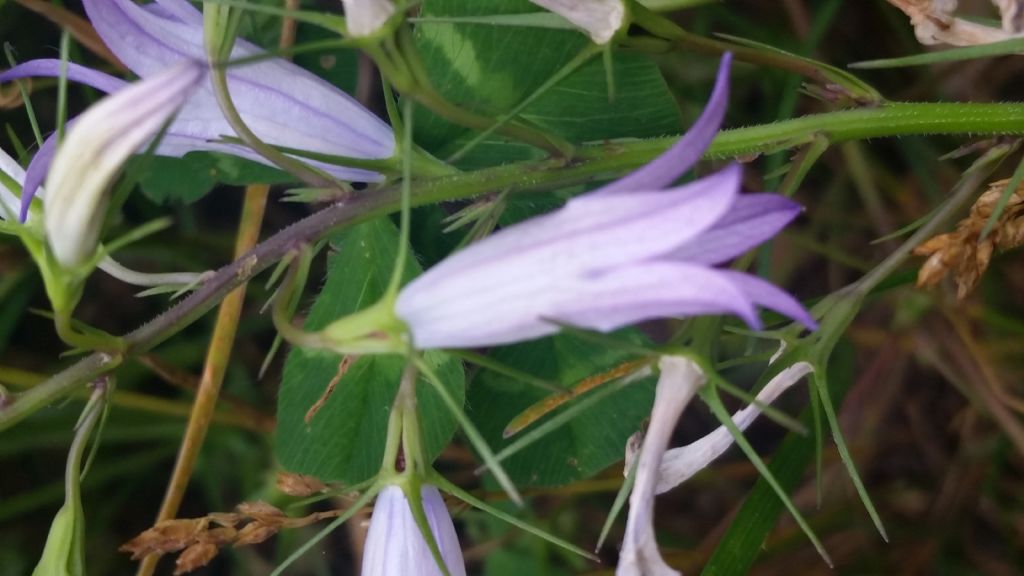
591, 163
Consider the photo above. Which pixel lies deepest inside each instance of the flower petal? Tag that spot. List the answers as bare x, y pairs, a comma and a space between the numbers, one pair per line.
282, 103
75, 73
752, 219
589, 234
394, 544
8, 200
95, 149
680, 379
600, 19
668, 167
679, 464
766, 294
645, 291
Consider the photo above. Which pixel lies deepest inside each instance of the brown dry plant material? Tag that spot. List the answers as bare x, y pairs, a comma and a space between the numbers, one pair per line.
934, 22
962, 253
200, 539
299, 485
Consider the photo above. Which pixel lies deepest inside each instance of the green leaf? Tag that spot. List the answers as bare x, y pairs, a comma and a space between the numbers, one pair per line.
744, 541
990, 50
188, 179
482, 67
589, 443
344, 441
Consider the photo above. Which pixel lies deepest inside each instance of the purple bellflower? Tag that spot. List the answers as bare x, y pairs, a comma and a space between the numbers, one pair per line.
635, 249
283, 104
396, 547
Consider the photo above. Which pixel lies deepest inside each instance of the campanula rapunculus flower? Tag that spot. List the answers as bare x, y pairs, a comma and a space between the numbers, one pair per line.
396, 547
283, 104
365, 17
600, 19
635, 249
95, 149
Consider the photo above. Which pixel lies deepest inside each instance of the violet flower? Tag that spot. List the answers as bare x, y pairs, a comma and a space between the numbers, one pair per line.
97, 146
396, 547
283, 104
635, 249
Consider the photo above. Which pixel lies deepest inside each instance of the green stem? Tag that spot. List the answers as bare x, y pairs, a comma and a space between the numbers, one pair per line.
592, 163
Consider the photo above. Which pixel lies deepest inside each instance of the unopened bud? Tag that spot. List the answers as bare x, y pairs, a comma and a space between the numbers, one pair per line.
94, 150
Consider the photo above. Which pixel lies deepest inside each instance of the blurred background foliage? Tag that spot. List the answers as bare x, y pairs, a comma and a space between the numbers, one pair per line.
931, 385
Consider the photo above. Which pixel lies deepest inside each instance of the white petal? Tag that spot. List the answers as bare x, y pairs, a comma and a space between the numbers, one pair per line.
365, 17
600, 19
10, 204
679, 464
96, 147
680, 379
394, 544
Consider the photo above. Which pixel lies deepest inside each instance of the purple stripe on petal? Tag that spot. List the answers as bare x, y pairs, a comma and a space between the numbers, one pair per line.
752, 219
75, 72
282, 103
631, 294
668, 167
766, 294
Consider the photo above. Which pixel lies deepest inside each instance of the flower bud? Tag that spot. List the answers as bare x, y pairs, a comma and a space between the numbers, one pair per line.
94, 150
396, 547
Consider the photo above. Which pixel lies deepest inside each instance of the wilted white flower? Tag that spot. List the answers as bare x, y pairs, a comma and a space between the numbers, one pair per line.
600, 19
396, 547
94, 151
680, 379
365, 17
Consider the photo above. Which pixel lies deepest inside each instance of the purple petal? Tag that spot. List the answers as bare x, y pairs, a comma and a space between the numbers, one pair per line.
668, 167
645, 291
752, 219
768, 295
590, 233
75, 73
282, 103
37, 169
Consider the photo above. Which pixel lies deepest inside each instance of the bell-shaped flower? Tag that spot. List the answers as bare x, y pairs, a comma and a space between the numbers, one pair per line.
600, 19
94, 151
283, 104
396, 547
365, 17
634, 250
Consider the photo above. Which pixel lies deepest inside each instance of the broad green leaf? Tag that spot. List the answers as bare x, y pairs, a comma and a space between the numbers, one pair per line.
589, 443
491, 68
744, 541
188, 179
344, 441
